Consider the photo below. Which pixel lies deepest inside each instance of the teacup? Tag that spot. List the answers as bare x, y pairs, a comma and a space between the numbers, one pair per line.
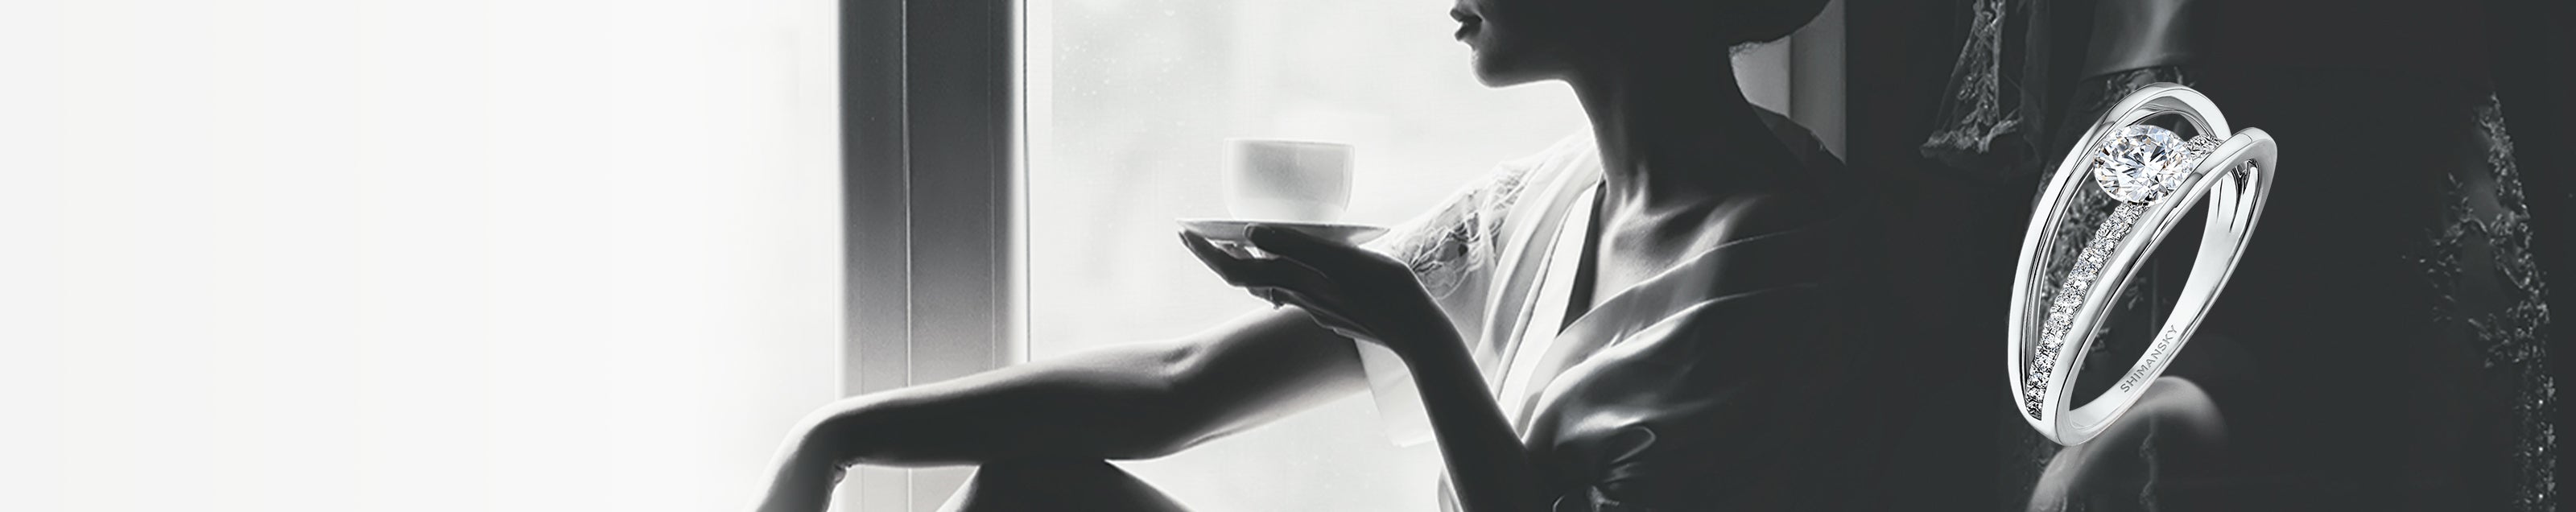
1286, 180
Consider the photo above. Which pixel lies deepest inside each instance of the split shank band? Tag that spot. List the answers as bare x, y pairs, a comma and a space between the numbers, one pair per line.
2155, 175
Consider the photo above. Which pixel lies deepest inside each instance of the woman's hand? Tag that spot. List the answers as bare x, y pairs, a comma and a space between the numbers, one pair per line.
1353, 291
1369, 296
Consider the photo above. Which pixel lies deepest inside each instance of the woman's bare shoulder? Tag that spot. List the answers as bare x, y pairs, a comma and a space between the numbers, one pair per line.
1760, 218
1777, 238
1764, 213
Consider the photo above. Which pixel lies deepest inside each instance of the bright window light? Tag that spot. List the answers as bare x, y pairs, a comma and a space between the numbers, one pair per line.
378, 255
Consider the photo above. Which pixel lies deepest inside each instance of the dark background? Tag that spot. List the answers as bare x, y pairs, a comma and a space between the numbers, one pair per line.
2366, 399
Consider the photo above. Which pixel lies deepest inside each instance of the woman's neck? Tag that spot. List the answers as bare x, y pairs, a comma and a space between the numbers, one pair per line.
1675, 135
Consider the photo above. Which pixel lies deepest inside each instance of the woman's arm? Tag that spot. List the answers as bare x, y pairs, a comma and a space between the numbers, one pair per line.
1128, 401
1488, 466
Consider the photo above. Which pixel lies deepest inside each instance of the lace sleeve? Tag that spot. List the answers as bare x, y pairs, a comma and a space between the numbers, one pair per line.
1981, 115
1454, 242
1451, 250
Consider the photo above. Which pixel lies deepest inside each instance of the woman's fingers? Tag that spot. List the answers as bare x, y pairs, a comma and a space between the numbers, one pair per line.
1226, 265
1324, 314
1256, 273
1328, 256
1281, 281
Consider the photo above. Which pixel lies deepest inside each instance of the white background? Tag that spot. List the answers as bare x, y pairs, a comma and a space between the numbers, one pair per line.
382, 255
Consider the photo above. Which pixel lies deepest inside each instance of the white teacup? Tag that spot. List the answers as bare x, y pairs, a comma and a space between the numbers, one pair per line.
1286, 180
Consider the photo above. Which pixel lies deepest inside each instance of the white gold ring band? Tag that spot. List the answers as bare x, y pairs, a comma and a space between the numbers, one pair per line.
2156, 176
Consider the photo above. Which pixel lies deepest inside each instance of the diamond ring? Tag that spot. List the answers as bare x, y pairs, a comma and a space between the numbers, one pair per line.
2155, 175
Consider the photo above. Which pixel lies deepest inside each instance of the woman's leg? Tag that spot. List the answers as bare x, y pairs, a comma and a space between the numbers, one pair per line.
1057, 485
809, 466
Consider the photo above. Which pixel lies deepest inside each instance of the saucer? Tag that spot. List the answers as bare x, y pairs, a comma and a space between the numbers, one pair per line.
1231, 230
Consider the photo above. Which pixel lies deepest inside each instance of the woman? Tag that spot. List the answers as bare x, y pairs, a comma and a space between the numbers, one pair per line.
1646, 318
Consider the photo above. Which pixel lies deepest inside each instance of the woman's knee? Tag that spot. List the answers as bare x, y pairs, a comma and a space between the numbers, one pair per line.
829, 434
1057, 484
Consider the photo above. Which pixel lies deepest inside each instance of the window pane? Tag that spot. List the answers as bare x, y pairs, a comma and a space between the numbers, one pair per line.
1128, 103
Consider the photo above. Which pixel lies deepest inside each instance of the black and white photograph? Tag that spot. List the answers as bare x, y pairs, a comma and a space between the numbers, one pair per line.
1285, 256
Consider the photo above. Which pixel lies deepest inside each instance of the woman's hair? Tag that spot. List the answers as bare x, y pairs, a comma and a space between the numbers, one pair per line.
1738, 24
1763, 21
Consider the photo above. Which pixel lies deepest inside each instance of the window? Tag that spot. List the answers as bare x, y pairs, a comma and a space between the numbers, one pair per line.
1041, 223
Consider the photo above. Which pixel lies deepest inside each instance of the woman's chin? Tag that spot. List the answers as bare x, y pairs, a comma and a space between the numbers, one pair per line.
1497, 74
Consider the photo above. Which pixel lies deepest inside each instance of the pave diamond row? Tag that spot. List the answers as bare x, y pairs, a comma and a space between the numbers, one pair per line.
2197, 148
2088, 266
2061, 308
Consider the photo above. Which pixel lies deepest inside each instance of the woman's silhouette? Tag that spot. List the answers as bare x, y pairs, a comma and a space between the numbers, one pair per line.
1658, 314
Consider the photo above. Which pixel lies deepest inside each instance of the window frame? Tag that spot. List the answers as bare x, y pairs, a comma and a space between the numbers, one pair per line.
933, 210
